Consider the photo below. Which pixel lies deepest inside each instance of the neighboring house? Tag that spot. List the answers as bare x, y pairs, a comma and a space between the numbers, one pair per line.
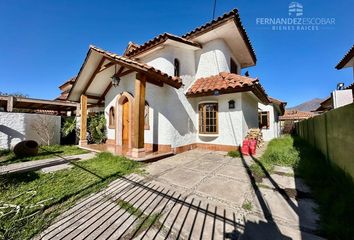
328, 104
175, 93
292, 116
269, 118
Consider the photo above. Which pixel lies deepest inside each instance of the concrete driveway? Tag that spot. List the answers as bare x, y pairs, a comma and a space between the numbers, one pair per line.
194, 195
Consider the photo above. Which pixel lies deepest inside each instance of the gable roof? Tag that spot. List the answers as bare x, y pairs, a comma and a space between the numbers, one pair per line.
281, 104
153, 74
227, 83
232, 15
138, 49
347, 57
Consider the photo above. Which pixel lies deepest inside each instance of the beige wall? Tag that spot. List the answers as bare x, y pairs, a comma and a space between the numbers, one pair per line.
333, 134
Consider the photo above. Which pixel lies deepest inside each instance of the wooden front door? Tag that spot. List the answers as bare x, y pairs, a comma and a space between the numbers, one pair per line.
125, 133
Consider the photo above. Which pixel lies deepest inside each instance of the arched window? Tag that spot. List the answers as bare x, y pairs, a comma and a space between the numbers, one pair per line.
111, 119
146, 116
176, 64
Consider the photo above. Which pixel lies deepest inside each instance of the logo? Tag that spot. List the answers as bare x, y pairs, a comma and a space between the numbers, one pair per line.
295, 9
296, 21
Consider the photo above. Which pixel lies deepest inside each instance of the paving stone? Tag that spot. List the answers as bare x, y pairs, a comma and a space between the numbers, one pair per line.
286, 182
234, 171
285, 170
158, 168
203, 165
278, 206
183, 177
224, 189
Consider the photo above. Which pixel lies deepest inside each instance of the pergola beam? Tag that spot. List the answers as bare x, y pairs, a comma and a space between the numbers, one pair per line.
97, 70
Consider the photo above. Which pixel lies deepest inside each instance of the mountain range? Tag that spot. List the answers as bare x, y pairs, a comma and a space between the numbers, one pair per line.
308, 105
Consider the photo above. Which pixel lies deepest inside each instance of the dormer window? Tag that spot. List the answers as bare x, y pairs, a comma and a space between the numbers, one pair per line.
176, 65
233, 66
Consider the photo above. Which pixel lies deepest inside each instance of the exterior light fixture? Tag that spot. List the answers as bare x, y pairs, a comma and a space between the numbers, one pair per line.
115, 78
231, 104
340, 86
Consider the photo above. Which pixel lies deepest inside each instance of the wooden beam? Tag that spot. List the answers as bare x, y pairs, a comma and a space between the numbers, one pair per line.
120, 70
94, 75
106, 66
93, 97
83, 120
138, 116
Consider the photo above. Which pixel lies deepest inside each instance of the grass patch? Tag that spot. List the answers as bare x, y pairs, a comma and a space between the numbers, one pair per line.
8, 157
30, 201
247, 205
144, 221
281, 152
234, 154
332, 189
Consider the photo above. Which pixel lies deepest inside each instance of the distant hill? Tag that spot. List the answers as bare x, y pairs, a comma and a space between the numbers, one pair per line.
308, 106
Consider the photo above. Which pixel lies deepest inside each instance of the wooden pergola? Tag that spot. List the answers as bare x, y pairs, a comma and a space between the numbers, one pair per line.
103, 61
9, 103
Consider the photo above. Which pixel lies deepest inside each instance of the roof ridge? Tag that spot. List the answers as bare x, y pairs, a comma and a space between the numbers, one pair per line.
157, 40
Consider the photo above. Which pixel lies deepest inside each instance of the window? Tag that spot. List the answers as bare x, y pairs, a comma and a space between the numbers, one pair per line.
263, 120
208, 118
111, 119
231, 104
233, 66
146, 116
176, 64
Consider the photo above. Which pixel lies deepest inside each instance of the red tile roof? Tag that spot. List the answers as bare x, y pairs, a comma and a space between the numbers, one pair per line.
234, 15
227, 83
156, 41
70, 81
349, 55
296, 115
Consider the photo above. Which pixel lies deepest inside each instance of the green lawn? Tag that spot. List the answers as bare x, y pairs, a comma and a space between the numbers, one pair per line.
8, 157
281, 152
41, 197
332, 188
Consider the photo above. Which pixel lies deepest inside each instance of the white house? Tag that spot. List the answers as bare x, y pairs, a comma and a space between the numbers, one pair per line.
175, 93
268, 118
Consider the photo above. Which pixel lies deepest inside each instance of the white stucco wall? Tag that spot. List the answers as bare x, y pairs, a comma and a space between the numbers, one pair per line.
250, 112
274, 124
170, 113
173, 118
16, 127
213, 58
232, 123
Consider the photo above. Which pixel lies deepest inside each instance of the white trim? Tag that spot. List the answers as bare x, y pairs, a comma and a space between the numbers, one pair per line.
208, 134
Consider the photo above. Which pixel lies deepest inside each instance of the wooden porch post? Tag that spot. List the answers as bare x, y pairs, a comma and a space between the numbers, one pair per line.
138, 149
83, 120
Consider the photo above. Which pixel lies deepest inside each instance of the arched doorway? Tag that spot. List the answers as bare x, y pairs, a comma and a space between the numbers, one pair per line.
125, 123
124, 129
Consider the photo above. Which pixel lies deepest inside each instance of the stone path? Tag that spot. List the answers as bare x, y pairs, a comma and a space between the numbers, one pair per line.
47, 165
194, 195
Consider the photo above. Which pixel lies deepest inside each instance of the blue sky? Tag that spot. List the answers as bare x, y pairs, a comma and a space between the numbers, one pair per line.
43, 43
